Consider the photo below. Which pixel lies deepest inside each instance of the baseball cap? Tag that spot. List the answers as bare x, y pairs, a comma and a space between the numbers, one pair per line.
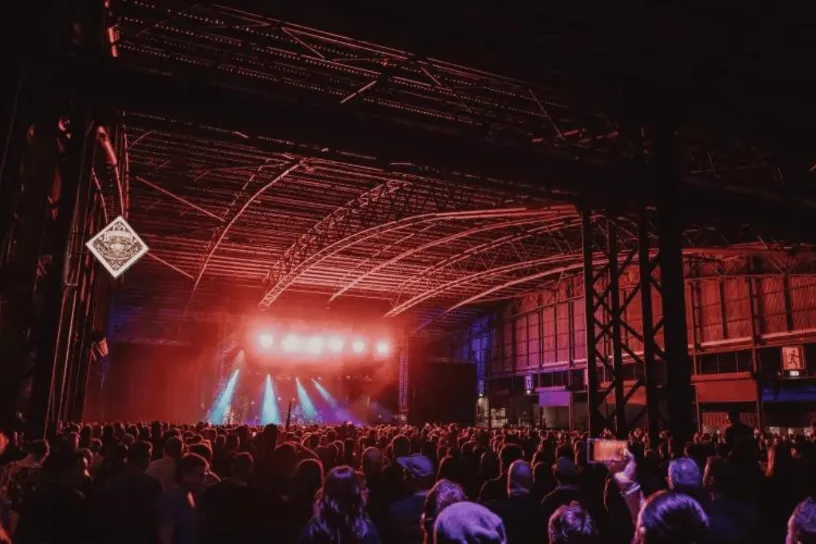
418, 466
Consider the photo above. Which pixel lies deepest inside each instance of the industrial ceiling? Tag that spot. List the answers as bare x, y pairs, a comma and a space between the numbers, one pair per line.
358, 171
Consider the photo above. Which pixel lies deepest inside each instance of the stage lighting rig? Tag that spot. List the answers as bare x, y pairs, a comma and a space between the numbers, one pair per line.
266, 340
358, 346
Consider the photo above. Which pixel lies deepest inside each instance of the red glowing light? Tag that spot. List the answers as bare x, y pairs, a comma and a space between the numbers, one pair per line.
358, 346
314, 344
383, 348
291, 342
266, 341
336, 344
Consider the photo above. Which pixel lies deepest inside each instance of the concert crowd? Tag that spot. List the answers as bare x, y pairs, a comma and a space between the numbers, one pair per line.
188, 484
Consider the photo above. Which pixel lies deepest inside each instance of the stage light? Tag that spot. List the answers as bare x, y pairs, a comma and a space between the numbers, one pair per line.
266, 340
291, 342
358, 346
314, 344
383, 348
336, 344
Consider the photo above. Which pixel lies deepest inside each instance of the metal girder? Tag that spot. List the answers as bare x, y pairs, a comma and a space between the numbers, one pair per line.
272, 53
481, 275
236, 209
307, 260
437, 242
466, 254
392, 206
434, 286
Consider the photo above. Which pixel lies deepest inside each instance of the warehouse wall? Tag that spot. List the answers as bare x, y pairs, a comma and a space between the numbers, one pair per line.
739, 306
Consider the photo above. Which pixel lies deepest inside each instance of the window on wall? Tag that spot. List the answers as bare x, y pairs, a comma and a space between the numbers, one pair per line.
521, 342
723, 363
533, 343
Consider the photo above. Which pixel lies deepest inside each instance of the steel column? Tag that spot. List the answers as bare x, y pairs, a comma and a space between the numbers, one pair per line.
646, 269
680, 398
594, 417
21, 261
616, 316
58, 318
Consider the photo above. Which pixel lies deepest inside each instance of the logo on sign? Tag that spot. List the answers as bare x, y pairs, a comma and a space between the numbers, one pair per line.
117, 247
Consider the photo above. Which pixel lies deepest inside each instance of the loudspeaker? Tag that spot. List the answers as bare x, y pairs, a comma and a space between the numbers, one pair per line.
442, 393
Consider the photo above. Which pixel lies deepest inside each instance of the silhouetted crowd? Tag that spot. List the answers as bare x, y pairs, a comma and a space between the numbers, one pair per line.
189, 484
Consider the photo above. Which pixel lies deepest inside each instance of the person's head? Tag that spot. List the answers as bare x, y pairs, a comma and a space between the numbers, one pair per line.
564, 471
173, 447
519, 478
419, 471
802, 523
468, 523
668, 516
442, 494
401, 446
138, 456
339, 512
190, 472
308, 477
508, 454
242, 466
203, 449
571, 524
684, 476
733, 417
371, 462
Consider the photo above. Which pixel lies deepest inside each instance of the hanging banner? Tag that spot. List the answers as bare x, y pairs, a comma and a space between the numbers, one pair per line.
117, 247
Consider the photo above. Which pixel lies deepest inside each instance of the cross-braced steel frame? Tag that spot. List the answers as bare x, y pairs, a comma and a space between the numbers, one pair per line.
608, 330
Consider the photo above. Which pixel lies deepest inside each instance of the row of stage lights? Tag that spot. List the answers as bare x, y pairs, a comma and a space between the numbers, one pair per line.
318, 345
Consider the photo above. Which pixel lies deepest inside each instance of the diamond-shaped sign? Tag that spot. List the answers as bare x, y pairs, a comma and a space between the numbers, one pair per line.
117, 247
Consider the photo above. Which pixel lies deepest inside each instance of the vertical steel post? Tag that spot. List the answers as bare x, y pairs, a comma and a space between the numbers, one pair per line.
593, 417
615, 329
58, 319
680, 399
649, 347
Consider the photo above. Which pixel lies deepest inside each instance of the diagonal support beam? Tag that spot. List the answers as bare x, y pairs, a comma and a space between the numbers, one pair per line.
178, 198
228, 225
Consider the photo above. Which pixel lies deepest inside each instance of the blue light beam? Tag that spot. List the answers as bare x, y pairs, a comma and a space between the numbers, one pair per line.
306, 404
269, 411
221, 406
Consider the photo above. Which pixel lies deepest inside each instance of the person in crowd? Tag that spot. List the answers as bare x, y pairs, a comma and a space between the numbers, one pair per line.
732, 518
19, 478
231, 508
685, 477
468, 523
520, 512
127, 505
164, 469
179, 511
802, 523
738, 434
340, 512
669, 517
404, 515
443, 494
567, 490
572, 524
496, 488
